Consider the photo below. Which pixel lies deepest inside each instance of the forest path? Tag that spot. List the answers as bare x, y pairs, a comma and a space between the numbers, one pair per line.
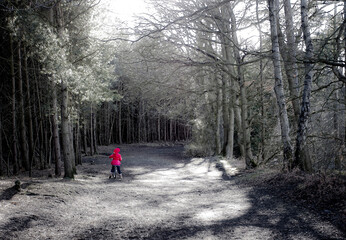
163, 196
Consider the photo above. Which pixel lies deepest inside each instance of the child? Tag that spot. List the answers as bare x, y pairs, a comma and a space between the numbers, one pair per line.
116, 162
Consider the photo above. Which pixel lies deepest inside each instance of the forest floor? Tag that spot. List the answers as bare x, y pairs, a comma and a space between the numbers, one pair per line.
163, 195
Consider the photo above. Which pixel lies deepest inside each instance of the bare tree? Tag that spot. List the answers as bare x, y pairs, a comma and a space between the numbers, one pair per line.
302, 156
279, 90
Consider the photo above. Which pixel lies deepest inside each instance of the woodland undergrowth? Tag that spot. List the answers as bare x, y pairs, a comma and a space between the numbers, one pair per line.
321, 192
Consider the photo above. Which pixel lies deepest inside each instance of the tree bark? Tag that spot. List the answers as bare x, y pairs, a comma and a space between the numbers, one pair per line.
95, 142
120, 136
302, 156
56, 137
14, 112
28, 100
22, 126
279, 90
91, 130
218, 116
65, 121
65, 133
291, 63
158, 127
85, 141
261, 153
249, 160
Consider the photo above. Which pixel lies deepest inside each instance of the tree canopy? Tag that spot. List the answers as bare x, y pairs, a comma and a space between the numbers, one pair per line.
262, 81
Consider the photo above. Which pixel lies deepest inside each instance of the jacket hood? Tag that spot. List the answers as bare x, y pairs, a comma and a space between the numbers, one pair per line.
117, 150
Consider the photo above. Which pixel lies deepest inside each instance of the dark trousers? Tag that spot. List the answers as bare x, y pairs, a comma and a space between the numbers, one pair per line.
118, 169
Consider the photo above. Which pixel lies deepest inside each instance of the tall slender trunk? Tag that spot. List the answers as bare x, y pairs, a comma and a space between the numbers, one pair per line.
14, 112
85, 146
111, 135
22, 126
139, 120
120, 136
56, 137
158, 127
218, 116
91, 130
302, 155
39, 121
249, 160
65, 121
28, 100
95, 142
77, 145
279, 90
230, 142
228, 93
65, 133
291, 62
338, 155
171, 130
238, 121
108, 130
128, 125
165, 130
226, 113
263, 117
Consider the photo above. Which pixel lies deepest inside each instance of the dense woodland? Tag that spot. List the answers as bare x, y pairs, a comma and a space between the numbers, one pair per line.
261, 81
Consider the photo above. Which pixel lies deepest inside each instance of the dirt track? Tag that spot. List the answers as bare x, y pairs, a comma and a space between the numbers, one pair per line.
162, 196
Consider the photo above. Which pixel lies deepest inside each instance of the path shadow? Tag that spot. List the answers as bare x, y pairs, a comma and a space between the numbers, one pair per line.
10, 192
18, 224
267, 218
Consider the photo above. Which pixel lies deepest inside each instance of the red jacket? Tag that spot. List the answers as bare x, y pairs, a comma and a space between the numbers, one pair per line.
116, 157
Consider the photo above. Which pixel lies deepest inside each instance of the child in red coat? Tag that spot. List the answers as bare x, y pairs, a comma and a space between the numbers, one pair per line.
116, 162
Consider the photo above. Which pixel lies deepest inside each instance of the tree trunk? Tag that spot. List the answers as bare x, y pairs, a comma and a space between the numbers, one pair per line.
14, 112
72, 149
230, 137
249, 160
85, 141
94, 122
28, 100
91, 130
158, 127
111, 135
261, 153
279, 90
120, 137
291, 62
218, 116
128, 125
170, 130
65, 133
302, 156
56, 137
38, 123
65, 123
22, 126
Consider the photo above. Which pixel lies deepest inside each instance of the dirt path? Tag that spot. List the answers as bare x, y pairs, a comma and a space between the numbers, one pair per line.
162, 196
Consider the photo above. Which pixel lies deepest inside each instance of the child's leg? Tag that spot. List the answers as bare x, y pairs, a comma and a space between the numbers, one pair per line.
119, 171
112, 172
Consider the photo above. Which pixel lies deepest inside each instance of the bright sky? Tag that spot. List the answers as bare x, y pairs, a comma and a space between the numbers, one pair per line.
125, 9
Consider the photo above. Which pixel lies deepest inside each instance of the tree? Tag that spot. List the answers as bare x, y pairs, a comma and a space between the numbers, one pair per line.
279, 91
302, 156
